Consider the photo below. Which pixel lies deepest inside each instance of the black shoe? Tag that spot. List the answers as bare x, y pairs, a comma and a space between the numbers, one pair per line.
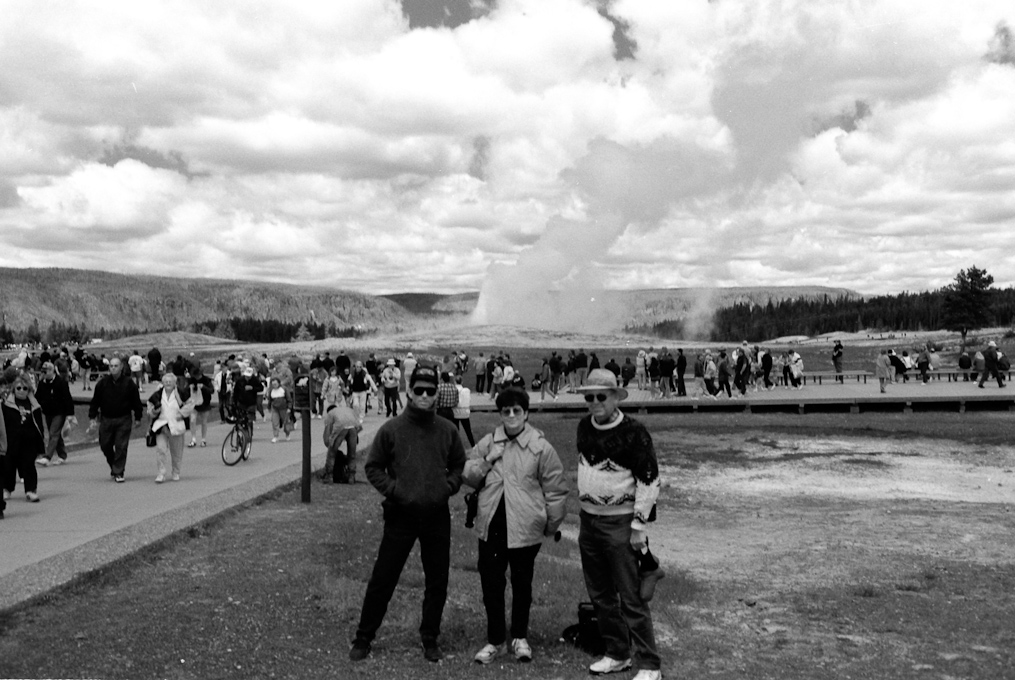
432, 651
359, 651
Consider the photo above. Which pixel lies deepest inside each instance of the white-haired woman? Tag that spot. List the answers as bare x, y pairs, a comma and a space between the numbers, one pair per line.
168, 407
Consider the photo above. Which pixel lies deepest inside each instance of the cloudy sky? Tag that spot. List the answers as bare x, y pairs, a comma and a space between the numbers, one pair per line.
448, 145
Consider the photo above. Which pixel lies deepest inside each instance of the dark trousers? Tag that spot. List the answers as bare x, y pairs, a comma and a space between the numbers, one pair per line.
114, 435
710, 386
724, 386
20, 461
391, 400
55, 444
466, 424
740, 381
610, 566
992, 373
402, 529
494, 559
681, 388
480, 383
768, 379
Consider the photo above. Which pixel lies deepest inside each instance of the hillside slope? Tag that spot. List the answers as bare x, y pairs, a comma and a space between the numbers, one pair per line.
115, 301
98, 299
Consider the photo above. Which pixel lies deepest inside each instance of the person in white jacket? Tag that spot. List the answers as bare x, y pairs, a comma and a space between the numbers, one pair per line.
522, 493
168, 407
463, 411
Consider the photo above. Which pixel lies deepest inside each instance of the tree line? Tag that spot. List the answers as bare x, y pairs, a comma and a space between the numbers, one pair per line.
241, 329
967, 304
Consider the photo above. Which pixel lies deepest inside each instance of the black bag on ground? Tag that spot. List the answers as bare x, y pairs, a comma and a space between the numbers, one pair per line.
585, 633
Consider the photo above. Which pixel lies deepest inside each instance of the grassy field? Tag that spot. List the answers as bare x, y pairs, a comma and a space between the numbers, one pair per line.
273, 590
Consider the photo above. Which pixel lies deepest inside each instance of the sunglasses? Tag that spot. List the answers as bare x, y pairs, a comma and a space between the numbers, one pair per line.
20, 388
598, 396
509, 411
428, 391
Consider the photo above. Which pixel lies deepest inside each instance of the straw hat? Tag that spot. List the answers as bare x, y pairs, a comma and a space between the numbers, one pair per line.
600, 379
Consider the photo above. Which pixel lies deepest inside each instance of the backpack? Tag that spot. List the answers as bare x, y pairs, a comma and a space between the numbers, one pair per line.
585, 634
1003, 362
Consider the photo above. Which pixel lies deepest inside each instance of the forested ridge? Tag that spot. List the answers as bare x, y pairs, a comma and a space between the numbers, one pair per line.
902, 312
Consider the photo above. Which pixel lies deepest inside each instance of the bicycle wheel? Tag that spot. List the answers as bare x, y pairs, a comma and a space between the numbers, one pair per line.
246, 438
232, 448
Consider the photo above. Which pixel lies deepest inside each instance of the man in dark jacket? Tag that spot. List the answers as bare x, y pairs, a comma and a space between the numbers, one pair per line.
115, 400
416, 462
53, 395
154, 364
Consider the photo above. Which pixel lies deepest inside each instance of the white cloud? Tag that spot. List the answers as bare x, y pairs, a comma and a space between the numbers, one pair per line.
327, 142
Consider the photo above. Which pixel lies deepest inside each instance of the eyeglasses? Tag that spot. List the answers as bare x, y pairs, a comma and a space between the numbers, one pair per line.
509, 411
598, 396
428, 391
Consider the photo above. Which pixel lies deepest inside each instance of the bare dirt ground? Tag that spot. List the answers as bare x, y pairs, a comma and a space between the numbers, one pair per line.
843, 554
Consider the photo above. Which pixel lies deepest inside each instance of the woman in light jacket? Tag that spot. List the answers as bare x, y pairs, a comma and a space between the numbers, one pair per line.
522, 492
168, 407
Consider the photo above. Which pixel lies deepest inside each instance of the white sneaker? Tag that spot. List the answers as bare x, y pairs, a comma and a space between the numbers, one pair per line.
57, 461
645, 674
488, 653
176, 477
520, 646
32, 497
608, 665
42, 462
161, 478
274, 440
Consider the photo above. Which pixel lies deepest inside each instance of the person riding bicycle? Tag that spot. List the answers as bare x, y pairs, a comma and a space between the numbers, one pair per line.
246, 388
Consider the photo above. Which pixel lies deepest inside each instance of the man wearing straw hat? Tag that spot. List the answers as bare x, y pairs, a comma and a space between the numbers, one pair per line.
618, 484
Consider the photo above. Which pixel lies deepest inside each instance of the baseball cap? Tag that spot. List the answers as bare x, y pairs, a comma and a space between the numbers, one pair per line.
423, 374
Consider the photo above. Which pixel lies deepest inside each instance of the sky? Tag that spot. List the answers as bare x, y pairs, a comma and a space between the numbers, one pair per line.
512, 146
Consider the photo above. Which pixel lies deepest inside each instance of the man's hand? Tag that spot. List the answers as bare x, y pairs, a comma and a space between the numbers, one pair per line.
639, 539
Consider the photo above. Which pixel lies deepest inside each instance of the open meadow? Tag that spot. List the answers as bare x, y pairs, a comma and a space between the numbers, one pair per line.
818, 546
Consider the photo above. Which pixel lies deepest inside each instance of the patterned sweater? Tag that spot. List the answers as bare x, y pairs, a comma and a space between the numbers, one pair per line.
617, 469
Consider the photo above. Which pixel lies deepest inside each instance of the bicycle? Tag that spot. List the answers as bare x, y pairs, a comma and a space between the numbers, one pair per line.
238, 443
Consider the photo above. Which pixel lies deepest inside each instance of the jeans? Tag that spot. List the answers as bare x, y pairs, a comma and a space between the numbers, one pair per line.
20, 460
359, 404
55, 444
391, 400
466, 424
114, 435
333, 465
402, 528
610, 565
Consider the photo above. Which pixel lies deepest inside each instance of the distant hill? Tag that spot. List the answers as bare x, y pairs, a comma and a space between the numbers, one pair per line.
102, 300
116, 301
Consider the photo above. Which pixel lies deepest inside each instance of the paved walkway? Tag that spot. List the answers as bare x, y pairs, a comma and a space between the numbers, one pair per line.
85, 521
